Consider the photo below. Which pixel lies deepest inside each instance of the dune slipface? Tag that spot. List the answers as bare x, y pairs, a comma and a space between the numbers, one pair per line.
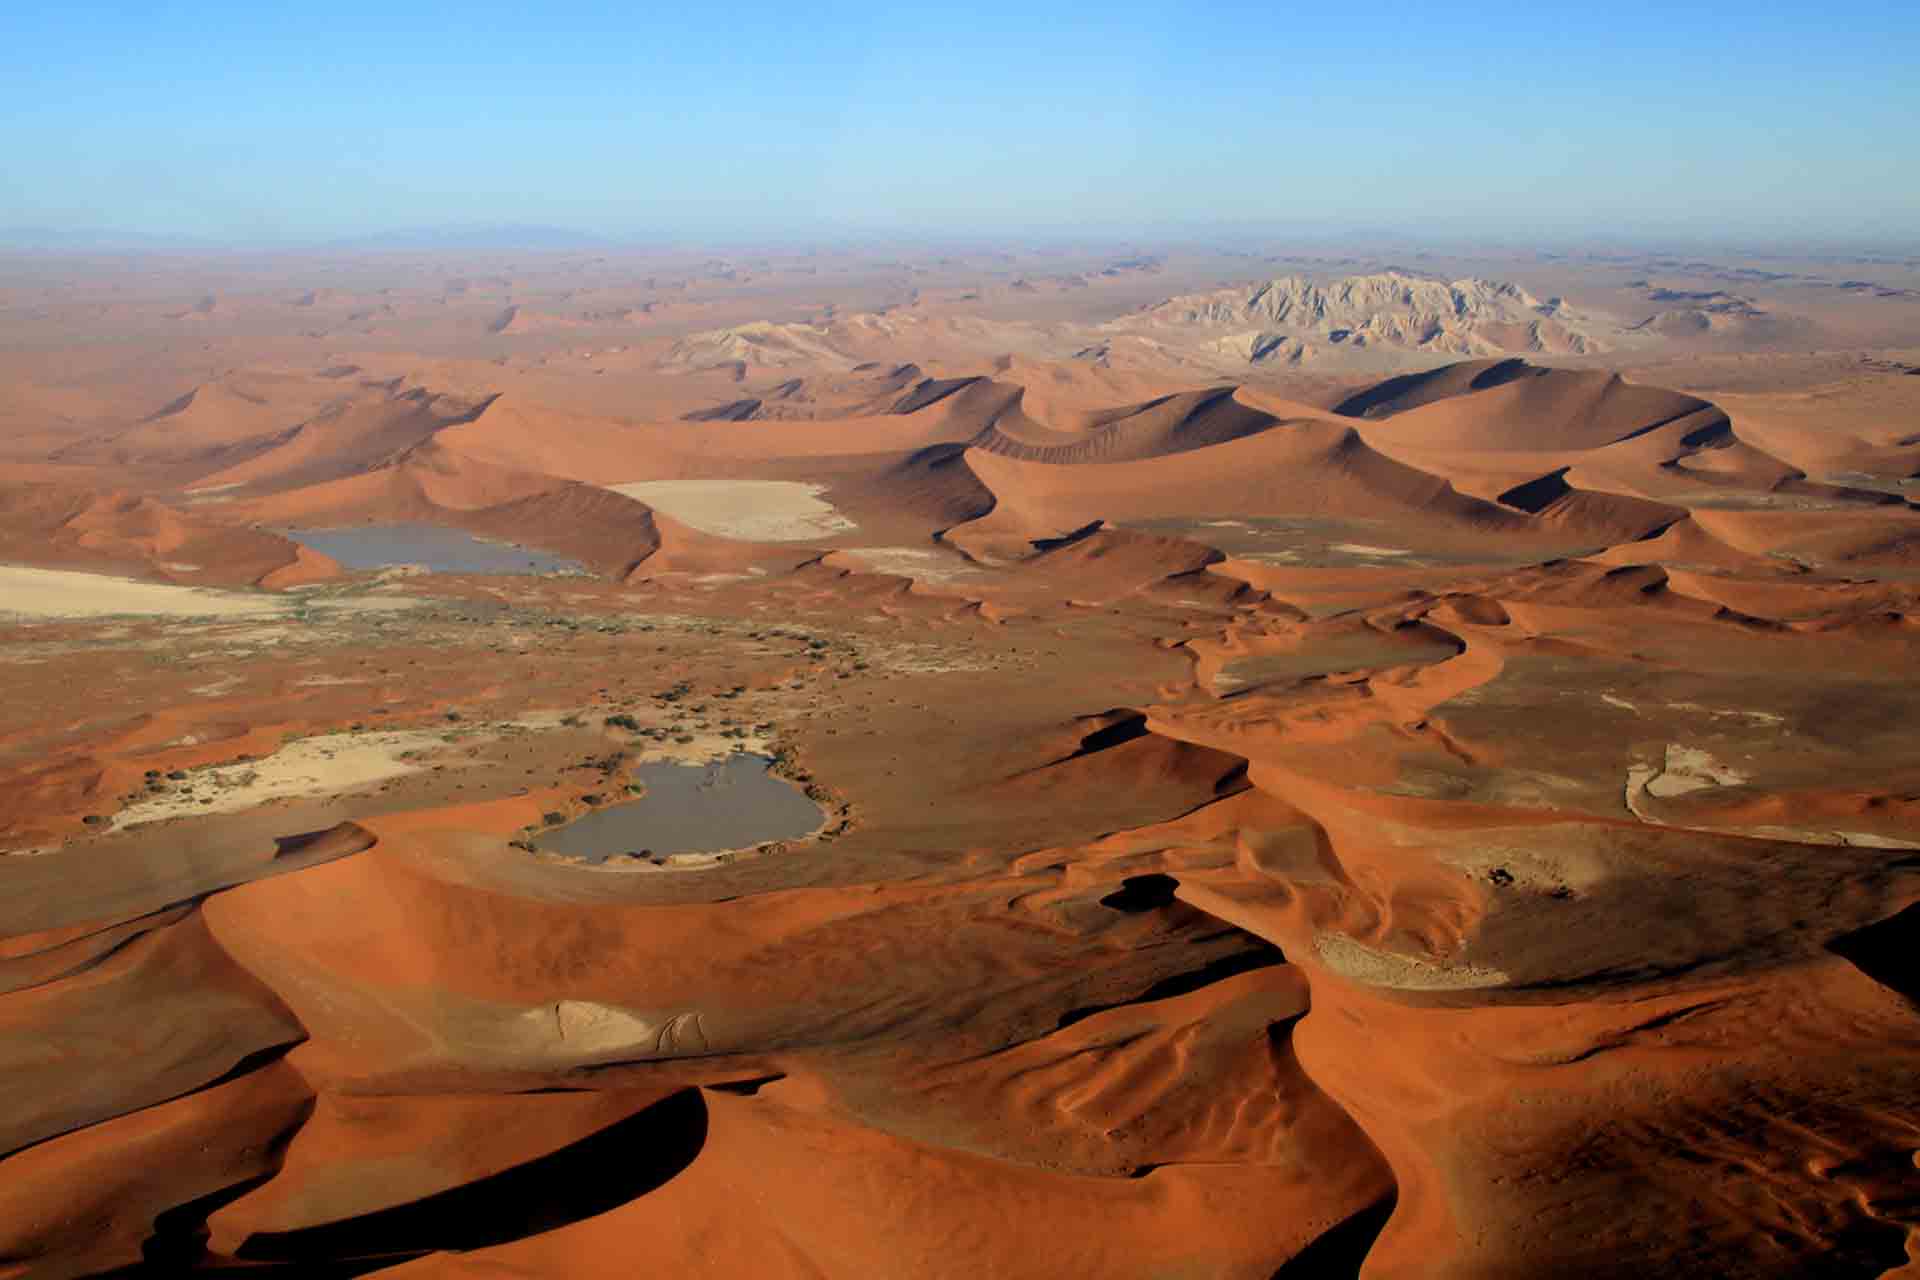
1452, 817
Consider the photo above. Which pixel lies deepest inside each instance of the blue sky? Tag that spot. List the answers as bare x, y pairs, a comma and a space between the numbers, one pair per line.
1708, 122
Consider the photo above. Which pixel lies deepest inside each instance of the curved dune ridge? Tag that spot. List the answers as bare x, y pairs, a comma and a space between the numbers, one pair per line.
1468, 830
119, 532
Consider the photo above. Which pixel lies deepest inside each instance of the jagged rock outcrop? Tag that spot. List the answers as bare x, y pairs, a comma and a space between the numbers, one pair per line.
1294, 319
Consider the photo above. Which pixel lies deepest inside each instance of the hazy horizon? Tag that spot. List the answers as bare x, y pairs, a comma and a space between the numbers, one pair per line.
232, 126
1273, 244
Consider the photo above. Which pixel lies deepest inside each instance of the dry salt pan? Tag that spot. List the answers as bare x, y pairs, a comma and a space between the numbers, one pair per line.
753, 510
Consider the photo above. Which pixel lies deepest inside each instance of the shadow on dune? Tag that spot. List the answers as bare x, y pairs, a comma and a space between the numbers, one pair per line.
1342, 1250
1888, 952
617, 1164
1259, 955
337, 841
1411, 390
178, 1242
1155, 892
1142, 893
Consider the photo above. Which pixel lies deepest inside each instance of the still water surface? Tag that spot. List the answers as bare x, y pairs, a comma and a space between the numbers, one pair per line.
438, 550
733, 803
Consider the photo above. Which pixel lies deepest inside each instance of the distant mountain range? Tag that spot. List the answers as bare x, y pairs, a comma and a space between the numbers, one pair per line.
1293, 318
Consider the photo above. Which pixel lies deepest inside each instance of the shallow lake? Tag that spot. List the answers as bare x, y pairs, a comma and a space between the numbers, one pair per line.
438, 550
733, 803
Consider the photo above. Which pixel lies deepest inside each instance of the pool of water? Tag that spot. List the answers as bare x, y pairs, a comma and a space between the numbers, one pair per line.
733, 803
438, 550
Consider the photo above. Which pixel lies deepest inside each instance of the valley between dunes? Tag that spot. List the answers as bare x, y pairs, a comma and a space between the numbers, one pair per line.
1460, 820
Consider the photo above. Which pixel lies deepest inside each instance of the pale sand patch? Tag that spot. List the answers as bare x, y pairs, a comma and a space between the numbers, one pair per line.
1530, 867
1870, 840
1757, 717
212, 493
1690, 769
1360, 963
915, 562
588, 1031
1684, 770
1362, 549
62, 593
1843, 839
755, 510
330, 764
704, 746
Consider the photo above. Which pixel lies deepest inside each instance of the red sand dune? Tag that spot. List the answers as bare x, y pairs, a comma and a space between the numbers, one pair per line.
118, 532
1464, 832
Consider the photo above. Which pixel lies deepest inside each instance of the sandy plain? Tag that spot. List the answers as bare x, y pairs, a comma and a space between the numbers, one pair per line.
753, 510
1307, 789
58, 593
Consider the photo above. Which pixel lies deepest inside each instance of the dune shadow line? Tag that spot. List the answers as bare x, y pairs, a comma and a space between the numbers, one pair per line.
1888, 952
586, 1178
1340, 1252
